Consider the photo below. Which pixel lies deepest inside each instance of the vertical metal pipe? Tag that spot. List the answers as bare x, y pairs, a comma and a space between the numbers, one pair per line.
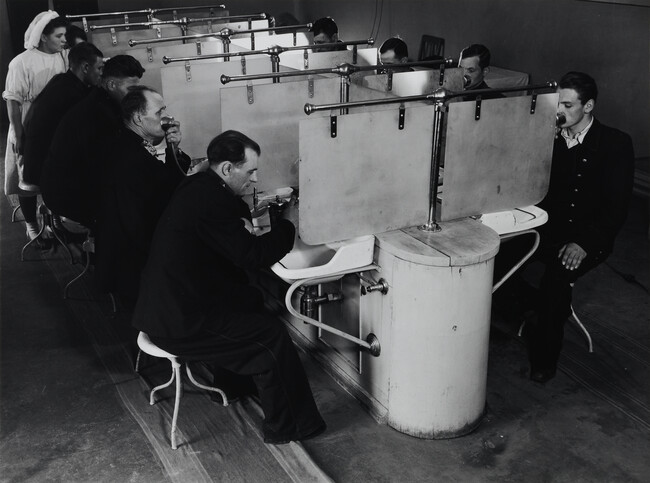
275, 67
345, 92
432, 224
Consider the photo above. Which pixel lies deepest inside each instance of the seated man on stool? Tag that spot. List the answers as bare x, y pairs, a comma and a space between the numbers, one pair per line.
136, 187
393, 52
326, 31
592, 175
196, 302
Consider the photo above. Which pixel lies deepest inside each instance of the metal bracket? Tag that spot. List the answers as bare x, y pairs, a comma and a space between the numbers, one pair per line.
84, 22
249, 93
158, 33
389, 80
306, 59
333, 126
250, 24
174, 14
295, 39
252, 40
126, 20
402, 116
198, 47
477, 110
310, 86
188, 71
210, 25
354, 54
533, 104
441, 79
150, 54
113, 36
243, 65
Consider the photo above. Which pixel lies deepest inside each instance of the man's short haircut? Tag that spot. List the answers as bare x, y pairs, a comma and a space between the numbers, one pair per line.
54, 24
582, 83
326, 26
135, 101
72, 32
477, 50
230, 146
122, 66
396, 44
84, 52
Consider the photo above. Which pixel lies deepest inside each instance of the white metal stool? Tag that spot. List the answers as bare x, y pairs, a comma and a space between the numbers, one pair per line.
148, 347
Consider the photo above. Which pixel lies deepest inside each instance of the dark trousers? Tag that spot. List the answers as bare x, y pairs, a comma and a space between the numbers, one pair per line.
551, 303
258, 345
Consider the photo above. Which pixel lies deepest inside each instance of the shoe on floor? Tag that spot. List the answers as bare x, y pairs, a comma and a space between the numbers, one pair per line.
542, 376
273, 440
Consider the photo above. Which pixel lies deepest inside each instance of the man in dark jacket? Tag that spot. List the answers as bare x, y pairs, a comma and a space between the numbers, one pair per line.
591, 182
475, 62
59, 95
71, 174
195, 300
136, 187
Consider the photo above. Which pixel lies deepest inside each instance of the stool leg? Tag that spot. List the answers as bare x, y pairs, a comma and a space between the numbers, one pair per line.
137, 361
177, 403
86, 267
13, 213
162, 386
583, 328
207, 388
113, 302
48, 221
22, 253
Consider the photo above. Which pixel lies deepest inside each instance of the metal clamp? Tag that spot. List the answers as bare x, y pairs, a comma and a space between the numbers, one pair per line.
249, 93
389, 80
126, 20
310, 86
158, 33
113, 36
198, 47
188, 71
441, 78
150, 54
402, 116
84, 22
380, 286
533, 103
243, 65
354, 54
333, 126
306, 59
477, 110
252, 41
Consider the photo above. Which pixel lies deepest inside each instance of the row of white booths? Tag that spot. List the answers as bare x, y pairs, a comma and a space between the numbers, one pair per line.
389, 285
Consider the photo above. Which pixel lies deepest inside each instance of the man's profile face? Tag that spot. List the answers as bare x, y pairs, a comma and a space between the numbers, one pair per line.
572, 107
150, 120
241, 177
93, 74
472, 70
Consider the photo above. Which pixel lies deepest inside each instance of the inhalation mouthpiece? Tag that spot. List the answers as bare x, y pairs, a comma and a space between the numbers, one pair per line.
559, 119
166, 122
466, 81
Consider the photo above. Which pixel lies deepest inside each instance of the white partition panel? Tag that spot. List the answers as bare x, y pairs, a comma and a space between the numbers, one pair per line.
315, 60
371, 178
196, 102
501, 161
118, 43
417, 82
272, 120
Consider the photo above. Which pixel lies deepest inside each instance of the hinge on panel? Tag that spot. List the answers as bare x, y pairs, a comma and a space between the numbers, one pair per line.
441, 79
354, 54
533, 104
150, 54
310, 86
295, 39
477, 110
402, 116
333, 126
188, 71
389, 80
252, 41
198, 47
306, 59
84, 22
158, 33
243, 65
126, 20
249, 93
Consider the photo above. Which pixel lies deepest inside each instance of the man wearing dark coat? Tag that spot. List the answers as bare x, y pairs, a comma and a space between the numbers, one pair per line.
196, 302
71, 174
592, 175
475, 62
136, 187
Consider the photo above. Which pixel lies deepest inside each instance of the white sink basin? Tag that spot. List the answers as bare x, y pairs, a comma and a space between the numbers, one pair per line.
513, 221
308, 261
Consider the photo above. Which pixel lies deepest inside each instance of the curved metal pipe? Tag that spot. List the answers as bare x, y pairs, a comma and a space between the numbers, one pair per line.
371, 344
441, 93
226, 32
149, 11
523, 259
275, 50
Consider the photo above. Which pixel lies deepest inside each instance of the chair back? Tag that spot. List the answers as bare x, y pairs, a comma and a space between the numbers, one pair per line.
431, 48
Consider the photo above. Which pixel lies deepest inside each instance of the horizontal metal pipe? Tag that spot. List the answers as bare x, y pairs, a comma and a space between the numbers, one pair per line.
184, 21
149, 11
436, 95
223, 33
275, 50
225, 79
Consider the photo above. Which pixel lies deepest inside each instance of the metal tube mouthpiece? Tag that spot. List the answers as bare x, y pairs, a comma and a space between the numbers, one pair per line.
466, 81
166, 122
559, 119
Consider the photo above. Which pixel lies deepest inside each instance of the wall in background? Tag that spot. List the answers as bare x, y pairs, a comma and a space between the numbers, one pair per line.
544, 38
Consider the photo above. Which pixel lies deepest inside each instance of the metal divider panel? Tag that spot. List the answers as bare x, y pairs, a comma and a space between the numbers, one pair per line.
500, 162
153, 62
197, 103
370, 178
103, 39
416, 83
272, 121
